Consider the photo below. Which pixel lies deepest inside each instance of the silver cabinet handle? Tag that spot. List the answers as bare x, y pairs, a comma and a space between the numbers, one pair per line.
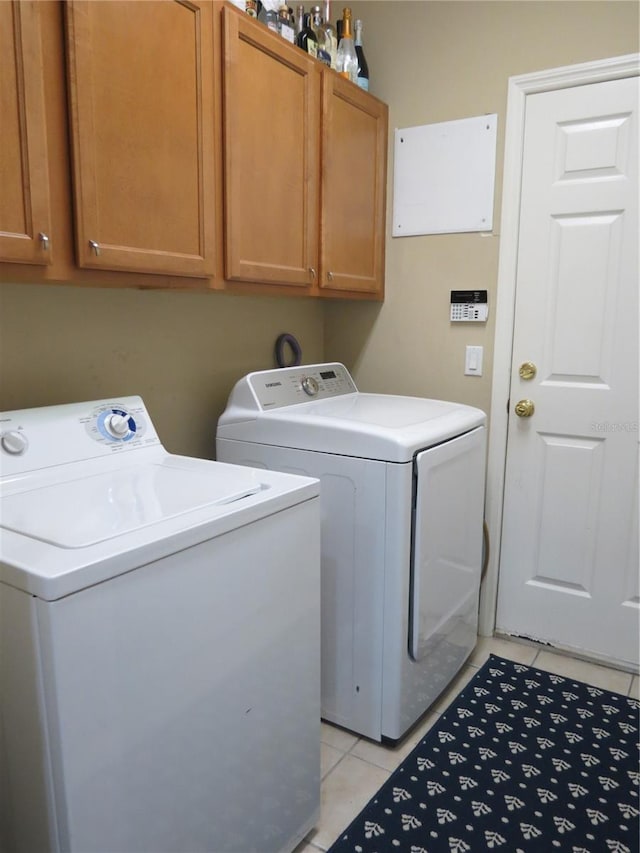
330, 276
313, 272
95, 246
44, 241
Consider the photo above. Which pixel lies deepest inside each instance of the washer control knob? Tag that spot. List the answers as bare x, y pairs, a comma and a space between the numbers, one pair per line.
309, 386
14, 442
117, 425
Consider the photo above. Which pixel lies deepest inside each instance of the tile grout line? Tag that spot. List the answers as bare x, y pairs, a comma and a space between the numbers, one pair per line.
339, 761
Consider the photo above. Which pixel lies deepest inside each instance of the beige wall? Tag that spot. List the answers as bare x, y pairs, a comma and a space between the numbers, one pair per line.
440, 61
181, 352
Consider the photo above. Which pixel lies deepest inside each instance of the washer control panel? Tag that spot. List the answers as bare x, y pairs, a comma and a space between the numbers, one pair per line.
35, 439
288, 386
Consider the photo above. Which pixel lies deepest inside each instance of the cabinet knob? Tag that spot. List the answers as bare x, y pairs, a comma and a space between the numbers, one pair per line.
330, 276
44, 241
95, 246
313, 273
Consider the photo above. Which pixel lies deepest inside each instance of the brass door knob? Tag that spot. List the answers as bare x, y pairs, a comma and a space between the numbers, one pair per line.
524, 408
527, 370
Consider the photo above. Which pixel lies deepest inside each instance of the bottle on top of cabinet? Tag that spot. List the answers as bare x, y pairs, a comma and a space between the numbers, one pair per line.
330, 36
269, 17
363, 67
285, 24
315, 22
306, 38
347, 56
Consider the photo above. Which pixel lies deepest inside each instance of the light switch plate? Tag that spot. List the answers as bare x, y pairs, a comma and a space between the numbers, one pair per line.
473, 361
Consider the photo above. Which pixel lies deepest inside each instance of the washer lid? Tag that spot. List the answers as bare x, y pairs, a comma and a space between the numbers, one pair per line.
371, 426
81, 512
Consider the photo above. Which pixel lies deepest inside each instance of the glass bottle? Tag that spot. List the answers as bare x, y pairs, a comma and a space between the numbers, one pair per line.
363, 68
299, 21
285, 28
330, 37
315, 23
269, 18
347, 57
306, 38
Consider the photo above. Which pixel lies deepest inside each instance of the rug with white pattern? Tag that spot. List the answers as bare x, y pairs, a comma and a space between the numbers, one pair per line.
523, 760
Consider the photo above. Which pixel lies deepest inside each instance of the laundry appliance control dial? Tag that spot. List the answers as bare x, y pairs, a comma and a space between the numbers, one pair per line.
310, 386
14, 442
115, 425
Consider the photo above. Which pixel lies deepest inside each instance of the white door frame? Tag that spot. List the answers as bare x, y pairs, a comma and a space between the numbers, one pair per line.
519, 88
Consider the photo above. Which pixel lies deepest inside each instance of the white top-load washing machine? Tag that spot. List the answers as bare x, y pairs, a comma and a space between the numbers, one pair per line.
402, 498
159, 642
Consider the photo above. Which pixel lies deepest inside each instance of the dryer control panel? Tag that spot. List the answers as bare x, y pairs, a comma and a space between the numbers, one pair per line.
288, 386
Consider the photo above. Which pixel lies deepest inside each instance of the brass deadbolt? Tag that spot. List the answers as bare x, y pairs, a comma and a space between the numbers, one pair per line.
527, 370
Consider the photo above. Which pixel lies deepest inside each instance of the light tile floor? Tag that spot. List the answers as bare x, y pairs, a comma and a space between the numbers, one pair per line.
353, 768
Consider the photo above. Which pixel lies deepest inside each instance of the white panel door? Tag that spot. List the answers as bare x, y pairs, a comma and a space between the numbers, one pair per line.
569, 556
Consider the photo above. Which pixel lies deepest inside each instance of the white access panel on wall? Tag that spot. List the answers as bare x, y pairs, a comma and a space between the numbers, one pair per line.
444, 176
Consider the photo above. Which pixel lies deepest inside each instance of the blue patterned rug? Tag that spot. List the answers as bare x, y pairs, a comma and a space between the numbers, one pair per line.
522, 761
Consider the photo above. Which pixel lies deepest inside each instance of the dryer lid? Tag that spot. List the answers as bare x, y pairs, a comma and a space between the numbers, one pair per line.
371, 426
81, 512
381, 411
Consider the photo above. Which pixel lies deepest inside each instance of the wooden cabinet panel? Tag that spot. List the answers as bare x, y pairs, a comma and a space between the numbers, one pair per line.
25, 223
142, 117
305, 169
129, 153
354, 155
271, 132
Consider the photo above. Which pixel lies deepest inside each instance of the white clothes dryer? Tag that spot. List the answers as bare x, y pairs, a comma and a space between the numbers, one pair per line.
402, 500
159, 642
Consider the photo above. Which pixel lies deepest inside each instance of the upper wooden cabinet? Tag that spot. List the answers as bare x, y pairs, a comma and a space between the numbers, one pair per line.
179, 143
142, 118
354, 171
271, 156
305, 169
25, 219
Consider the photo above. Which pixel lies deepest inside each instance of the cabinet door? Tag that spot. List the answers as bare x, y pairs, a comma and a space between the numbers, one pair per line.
271, 120
354, 169
24, 176
141, 100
